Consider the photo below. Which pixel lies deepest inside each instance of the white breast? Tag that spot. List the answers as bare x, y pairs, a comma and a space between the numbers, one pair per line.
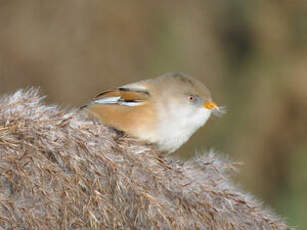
177, 125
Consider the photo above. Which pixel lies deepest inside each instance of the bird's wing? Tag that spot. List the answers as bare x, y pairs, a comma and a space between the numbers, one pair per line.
122, 96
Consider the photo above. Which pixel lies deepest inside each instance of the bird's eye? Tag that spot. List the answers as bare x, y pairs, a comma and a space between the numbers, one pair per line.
191, 98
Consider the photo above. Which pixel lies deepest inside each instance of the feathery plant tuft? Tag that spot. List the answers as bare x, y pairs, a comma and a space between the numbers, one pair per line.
61, 170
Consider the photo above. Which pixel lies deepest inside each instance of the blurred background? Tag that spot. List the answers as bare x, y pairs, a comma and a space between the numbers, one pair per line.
251, 54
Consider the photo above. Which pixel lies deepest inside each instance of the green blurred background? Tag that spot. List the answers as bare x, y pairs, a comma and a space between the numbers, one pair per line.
251, 54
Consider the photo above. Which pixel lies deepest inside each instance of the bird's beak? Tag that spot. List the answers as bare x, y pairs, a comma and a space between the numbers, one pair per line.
211, 105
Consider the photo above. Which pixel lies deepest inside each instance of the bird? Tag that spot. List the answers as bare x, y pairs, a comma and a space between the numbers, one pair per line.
165, 111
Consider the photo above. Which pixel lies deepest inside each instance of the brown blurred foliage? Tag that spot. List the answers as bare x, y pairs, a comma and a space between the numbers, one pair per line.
251, 54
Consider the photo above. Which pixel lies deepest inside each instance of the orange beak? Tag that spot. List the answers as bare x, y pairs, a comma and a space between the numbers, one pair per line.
211, 105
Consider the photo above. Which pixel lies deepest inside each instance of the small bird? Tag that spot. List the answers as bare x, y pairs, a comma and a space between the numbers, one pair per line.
165, 111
